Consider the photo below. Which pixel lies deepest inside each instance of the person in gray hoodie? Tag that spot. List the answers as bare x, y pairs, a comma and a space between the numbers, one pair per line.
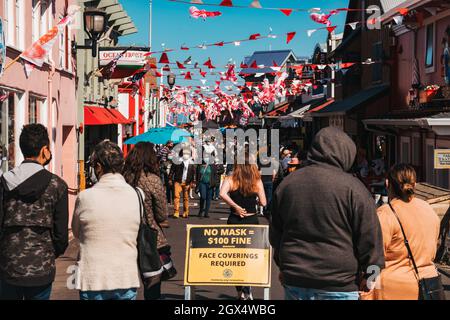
33, 221
324, 229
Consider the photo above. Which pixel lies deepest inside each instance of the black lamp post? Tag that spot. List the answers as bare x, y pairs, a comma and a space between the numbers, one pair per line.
95, 23
171, 78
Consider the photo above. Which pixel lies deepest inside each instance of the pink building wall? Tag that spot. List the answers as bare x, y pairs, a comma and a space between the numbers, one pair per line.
405, 59
57, 89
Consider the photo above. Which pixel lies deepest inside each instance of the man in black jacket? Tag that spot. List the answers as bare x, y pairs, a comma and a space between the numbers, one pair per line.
325, 232
33, 220
182, 178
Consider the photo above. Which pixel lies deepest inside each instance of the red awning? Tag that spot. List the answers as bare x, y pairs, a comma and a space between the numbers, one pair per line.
99, 116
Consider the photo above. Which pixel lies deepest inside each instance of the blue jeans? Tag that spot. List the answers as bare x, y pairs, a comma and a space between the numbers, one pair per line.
126, 294
294, 293
268, 191
205, 198
11, 292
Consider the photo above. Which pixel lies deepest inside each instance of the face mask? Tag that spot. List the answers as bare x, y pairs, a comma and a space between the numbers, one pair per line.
48, 160
186, 157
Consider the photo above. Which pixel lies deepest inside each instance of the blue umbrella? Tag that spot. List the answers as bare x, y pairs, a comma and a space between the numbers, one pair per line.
161, 136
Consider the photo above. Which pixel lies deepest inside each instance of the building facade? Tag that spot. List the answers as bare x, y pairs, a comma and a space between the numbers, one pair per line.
48, 96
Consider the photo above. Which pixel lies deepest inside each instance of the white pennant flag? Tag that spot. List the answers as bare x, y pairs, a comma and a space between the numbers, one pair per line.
398, 20
310, 32
272, 36
255, 4
312, 10
353, 25
203, 81
197, 1
237, 43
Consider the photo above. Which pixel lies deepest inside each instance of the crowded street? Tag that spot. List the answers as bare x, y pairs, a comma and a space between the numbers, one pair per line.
215, 151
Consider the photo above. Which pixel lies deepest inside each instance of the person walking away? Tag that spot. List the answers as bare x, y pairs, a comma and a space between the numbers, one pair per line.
220, 170
268, 175
243, 191
207, 181
182, 178
324, 228
165, 158
106, 222
33, 221
399, 281
141, 171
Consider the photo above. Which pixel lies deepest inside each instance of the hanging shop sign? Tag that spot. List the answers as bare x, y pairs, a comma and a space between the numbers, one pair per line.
127, 64
2, 48
228, 255
442, 159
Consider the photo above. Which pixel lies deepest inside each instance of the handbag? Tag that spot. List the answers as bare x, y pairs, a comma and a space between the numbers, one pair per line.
149, 262
429, 288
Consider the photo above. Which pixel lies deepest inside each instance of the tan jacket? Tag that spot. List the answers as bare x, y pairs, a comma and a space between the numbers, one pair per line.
421, 224
106, 222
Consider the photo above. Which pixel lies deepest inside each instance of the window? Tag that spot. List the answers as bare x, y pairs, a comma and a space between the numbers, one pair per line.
33, 110
19, 25
6, 15
36, 14
429, 50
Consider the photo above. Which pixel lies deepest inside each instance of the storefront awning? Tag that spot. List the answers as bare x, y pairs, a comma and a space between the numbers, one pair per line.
99, 116
356, 100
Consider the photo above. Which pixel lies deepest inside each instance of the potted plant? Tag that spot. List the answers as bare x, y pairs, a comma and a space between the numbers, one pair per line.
428, 93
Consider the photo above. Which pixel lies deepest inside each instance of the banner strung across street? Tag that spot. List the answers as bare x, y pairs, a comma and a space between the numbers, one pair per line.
228, 255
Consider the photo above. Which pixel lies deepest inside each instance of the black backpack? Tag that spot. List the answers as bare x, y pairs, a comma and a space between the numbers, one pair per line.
443, 253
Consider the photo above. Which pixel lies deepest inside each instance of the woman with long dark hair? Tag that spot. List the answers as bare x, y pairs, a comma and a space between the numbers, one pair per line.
243, 191
141, 170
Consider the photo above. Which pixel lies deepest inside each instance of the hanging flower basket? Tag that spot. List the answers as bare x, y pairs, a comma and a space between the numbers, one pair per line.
427, 95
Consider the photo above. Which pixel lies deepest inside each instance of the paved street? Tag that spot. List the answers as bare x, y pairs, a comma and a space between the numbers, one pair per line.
174, 289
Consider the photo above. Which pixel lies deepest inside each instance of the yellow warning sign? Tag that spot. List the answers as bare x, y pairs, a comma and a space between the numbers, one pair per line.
228, 255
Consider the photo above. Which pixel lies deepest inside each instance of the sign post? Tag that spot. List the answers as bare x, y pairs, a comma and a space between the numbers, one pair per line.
227, 255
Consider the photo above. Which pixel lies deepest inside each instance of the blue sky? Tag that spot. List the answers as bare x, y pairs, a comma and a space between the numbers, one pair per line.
173, 26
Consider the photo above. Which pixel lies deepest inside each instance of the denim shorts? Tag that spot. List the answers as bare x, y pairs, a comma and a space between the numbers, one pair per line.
294, 293
125, 294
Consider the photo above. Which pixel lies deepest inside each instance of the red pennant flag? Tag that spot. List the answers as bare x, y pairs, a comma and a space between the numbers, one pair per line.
244, 66
218, 83
184, 48
275, 64
287, 12
347, 65
226, 3
403, 11
254, 36
188, 76
164, 58
219, 44
290, 36
166, 68
203, 73
157, 74
209, 64
254, 65
331, 29
180, 66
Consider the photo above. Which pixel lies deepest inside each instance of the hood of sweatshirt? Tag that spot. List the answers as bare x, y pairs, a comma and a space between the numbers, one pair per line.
334, 147
29, 180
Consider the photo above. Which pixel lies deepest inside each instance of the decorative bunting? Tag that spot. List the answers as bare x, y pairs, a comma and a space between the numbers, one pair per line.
331, 29
164, 58
254, 36
180, 66
287, 12
188, 60
237, 43
256, 4
398, 20
226, 3
197, 1
219, 44
323, 18
353, 25
290, 36
209, 64
403, 11
197, 13
188, 76
184, 48
310, 32
254, 65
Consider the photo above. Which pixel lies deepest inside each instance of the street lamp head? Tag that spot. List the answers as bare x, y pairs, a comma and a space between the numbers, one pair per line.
171, 78
95, 23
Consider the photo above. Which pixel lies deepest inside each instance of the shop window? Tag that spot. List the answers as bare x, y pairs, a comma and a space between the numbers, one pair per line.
33, 110
429, 49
